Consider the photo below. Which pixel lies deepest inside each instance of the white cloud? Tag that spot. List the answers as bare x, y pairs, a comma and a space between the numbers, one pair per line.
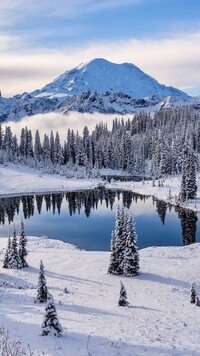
172, 61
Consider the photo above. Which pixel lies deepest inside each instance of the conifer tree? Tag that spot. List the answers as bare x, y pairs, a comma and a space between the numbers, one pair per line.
22, 246
120, 240
123, 297
14, 258
113, 261
131, 256
188, 182
51, 324
124, 258
6, 262
116, 251
57, 155
193, 294
42, 291
37, 147
192, 187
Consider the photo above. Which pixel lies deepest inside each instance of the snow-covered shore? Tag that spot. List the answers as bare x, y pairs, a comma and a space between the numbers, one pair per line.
159, 321
15, 180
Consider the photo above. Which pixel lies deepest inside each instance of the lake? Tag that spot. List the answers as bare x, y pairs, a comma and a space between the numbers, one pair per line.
86, 218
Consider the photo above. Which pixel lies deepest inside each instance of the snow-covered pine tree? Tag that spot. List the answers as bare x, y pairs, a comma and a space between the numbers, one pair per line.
183, 192
113, 261
188, 182
6, 262
123, 296
120, 239
8, 143
57, 155
42, 291
51, 145
193, 294
22, 251
37, 147
46, 150
14, 258
124, 217
192, 186
131, 256
51, 324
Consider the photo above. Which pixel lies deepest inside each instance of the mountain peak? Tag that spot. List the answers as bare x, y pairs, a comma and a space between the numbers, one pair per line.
101, 76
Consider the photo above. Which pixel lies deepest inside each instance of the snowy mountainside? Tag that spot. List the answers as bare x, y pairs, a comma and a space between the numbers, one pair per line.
88, 102
108, 103
97, 86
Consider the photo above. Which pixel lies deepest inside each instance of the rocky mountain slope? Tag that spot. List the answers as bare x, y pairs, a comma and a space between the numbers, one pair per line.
97, 86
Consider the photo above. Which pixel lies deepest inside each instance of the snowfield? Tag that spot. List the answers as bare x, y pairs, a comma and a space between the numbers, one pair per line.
159, 320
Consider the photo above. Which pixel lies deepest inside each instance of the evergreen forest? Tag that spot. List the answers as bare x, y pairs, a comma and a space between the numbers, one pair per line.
147, 145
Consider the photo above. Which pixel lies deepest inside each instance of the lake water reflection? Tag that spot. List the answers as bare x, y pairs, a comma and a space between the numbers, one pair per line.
87, 218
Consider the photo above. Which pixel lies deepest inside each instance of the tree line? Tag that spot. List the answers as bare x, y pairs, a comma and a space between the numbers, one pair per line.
147, 145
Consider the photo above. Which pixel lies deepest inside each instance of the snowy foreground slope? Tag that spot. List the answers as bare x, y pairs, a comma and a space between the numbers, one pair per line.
18, 179
159, 321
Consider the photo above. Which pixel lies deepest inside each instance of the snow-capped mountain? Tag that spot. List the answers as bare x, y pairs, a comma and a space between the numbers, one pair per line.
101, 76
97, 86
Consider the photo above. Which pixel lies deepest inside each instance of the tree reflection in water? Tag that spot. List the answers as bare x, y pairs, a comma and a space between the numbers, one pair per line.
87, 201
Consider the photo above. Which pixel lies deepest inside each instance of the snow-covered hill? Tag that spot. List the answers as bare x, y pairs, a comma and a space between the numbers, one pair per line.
97, 86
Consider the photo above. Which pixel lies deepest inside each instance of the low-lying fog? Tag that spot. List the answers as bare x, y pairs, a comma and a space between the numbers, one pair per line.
61, 123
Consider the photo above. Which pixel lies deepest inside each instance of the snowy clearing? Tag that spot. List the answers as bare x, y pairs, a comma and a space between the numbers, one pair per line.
159, 321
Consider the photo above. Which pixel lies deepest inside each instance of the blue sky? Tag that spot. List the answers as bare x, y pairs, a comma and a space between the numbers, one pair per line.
40, 39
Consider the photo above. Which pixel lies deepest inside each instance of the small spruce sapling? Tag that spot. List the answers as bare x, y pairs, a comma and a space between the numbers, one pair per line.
51, 324
123, 297
193, 294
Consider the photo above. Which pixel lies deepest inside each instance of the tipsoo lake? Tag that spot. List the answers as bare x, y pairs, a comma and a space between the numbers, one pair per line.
86, 218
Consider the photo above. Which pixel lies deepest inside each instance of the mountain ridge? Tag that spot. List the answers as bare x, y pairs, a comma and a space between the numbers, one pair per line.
97, 86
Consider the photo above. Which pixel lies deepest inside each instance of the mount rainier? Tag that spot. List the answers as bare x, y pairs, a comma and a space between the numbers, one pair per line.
97, 86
